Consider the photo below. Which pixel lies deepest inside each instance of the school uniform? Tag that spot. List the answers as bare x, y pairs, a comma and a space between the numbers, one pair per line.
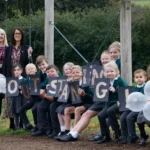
47, 118
43, 116
54, 118
30, 104
16, 103
110, 111
43, 79
127, 121
118, 62
141, 121
86, 101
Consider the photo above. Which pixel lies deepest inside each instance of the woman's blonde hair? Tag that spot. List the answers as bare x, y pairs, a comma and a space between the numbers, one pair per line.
113, 65
5, 37
116, 45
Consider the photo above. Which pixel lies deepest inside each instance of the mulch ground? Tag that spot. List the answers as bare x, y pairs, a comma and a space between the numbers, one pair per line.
27, 142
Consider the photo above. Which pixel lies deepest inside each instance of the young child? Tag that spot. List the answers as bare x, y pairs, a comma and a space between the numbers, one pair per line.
47, 117
128, 118
86, 98
17, 101
60, 110
111, 71
114, 50
42, 64
104, 59
32, 103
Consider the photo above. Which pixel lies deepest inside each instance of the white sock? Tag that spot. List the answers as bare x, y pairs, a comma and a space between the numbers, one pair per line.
71, 128
74, 134
62, 128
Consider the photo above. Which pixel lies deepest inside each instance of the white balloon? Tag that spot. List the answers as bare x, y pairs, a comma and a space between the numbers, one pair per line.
147, 90
146, 111
2, 84
136, 101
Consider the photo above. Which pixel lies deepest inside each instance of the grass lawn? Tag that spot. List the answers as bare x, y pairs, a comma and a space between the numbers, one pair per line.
4, 126
141, 2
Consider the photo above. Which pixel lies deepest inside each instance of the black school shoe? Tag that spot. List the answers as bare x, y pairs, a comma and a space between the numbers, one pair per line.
117, 136
105, 139
53, 135
35, 129
124, 140
48, 132
28, 127
132, 139
68, 138
143, 140
96, 138
60, 134
38, 133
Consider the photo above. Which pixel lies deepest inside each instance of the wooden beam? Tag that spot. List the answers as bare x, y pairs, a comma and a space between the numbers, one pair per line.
49, 31
125, 38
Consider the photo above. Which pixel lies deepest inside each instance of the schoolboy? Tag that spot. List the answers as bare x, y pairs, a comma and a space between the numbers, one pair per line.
32, 103
128, 118
47, 117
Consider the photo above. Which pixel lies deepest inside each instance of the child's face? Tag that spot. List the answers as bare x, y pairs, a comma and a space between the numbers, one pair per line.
105, 58
139, 78
67, 71
52, 72
17, 72
31, 70
115, 54
42, 66
110, 73
2, 37
76, 74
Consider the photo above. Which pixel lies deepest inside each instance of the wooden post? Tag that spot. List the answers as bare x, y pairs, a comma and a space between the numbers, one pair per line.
49, 31
125, 38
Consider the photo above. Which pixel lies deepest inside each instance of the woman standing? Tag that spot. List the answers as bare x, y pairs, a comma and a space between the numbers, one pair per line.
3, 45
16, 53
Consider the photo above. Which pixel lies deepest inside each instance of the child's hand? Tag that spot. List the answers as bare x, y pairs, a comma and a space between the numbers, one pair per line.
59, 92
118, 103
112, 89
81, 92
47, 86
30, 50
21, 92
42, 93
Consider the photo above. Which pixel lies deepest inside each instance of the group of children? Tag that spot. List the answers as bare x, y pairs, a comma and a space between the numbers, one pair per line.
53, 118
